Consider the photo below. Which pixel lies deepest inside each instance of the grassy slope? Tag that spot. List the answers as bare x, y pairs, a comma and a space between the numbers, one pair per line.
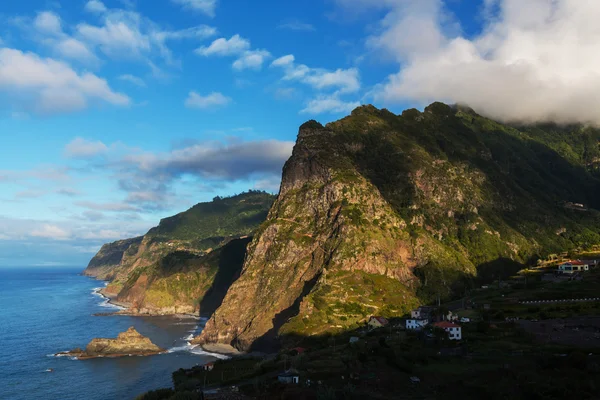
476, 195
176, 263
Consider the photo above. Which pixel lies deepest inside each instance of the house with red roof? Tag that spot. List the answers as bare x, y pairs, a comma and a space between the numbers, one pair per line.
454, 330
378, 322
571, 267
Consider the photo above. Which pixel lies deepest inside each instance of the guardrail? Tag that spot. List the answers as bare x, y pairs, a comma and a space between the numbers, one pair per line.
560, 301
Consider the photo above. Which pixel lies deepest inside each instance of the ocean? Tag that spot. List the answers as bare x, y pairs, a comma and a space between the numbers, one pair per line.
47, 310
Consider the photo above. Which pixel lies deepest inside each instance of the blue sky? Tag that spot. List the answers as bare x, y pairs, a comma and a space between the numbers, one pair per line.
117, 113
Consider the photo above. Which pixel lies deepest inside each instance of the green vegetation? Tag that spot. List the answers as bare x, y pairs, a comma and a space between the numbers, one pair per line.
223, 217
174, 266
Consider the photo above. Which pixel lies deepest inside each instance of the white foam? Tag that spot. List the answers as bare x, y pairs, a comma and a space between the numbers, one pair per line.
178, 349
201, 352
196, 349
106, 301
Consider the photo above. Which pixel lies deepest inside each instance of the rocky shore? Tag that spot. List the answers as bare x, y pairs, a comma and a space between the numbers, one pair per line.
128, 343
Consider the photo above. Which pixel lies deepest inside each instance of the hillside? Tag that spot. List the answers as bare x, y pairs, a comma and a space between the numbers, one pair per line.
185, 263
378, 212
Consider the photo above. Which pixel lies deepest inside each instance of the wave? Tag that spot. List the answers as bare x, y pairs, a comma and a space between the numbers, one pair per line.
196, 349
200, 351
189, 337
106, 301
70, 357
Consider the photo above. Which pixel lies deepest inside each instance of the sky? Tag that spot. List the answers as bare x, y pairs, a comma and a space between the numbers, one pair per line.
117, 113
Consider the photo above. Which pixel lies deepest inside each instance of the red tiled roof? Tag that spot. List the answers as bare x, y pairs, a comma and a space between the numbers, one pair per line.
576, 262
300, 350
446, 324
381, 320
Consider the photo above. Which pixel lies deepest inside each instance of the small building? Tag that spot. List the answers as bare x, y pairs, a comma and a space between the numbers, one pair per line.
571, 267
454, 330
423, 312
354, 339
290, 377
209, 366
451, 316
378, 322
416, 324
297, 350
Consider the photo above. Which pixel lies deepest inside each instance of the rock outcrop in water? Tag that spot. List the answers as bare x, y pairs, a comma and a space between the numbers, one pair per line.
128, 343
378, 212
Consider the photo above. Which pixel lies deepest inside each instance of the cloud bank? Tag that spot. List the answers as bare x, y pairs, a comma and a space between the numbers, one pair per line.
535, 60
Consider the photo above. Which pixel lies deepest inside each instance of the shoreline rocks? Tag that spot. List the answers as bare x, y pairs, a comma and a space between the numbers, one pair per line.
128, 343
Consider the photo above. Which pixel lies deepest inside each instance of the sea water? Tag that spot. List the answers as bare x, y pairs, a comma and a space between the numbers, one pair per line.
47, 310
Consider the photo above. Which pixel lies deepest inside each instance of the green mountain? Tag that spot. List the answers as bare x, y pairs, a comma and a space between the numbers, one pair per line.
379, 212
187, 262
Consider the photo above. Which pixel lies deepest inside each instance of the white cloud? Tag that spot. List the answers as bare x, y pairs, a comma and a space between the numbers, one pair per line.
48, 27
204, 6
195, 32
211, 100
54, 85
252, 59
126, 34
133, 79
95, 6
329, 104
342, 80
83, 148
120, 36
48, 22
296, 25
73, 49
48, 231
533, 60
271, 184
114, 207
284, 61
225, 47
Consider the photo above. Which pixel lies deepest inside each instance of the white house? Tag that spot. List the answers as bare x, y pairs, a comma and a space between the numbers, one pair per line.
454, 330
570, 267
416, 324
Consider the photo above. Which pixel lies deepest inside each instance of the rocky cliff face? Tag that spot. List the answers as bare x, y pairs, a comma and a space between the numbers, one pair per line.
128, 343
378, 212
188, 257
109, 258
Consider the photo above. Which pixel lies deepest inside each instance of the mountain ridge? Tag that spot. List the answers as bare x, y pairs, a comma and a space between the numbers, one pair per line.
187, 257
404, 209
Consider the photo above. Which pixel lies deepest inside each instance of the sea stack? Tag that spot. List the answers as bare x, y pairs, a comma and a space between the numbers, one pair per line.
128, 343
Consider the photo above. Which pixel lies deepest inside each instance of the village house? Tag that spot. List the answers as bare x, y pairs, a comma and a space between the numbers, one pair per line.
416, 324
451, 316
454, 330
209, 366
378, 322
289, 377
423, 312
571, 267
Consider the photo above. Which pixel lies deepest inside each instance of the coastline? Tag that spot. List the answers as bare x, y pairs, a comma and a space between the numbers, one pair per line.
216, 350
124, 308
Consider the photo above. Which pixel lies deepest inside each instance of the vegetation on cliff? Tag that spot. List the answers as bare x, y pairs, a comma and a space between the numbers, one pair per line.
187, 262
380, 211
